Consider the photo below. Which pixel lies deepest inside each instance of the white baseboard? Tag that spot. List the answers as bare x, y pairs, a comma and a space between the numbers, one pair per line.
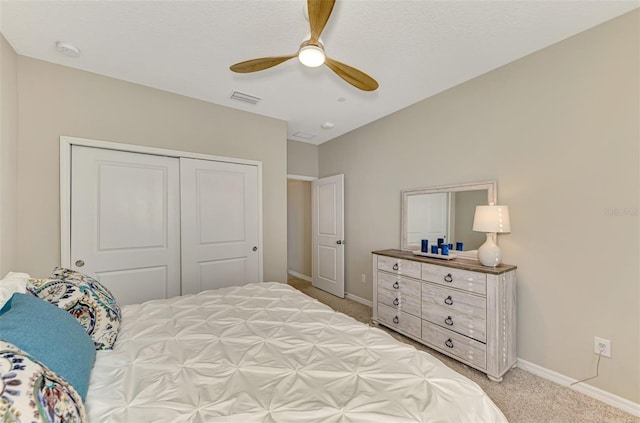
299, 275
358, 299
604, 396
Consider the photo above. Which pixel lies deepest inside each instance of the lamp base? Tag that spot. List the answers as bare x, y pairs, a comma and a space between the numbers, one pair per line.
489, 254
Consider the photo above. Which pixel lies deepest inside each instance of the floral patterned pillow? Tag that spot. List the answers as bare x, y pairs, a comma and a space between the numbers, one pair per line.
30, 392
86, 299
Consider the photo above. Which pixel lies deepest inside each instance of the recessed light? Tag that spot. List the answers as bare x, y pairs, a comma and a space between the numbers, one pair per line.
67, 49
327, 125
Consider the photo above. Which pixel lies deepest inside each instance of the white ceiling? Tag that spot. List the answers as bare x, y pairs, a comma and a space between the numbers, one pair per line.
414, 49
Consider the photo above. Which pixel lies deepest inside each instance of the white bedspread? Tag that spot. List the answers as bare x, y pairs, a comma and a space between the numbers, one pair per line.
268, 353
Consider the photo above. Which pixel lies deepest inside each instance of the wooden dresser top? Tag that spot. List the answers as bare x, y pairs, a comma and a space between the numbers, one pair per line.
457, 263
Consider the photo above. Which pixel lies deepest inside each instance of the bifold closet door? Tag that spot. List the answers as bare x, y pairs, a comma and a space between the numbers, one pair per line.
219, 215
125, 222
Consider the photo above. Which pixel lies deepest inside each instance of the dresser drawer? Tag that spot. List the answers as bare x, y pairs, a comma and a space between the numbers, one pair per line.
399, 266
399, 283
399, 320
455, 344
464, 324
455, 301
407, 301
456, 278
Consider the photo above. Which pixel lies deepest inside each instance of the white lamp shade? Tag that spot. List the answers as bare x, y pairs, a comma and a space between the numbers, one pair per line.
493, 219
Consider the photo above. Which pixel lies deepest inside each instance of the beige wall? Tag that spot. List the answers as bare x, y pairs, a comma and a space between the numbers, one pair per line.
56, 100
559, 132
8, 156
299, 226
302, 158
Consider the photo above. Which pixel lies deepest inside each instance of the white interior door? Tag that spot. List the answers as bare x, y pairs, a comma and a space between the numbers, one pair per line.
220, 225
125, 222
327, 220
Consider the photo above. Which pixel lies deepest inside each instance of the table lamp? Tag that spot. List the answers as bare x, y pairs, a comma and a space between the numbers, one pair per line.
491, 219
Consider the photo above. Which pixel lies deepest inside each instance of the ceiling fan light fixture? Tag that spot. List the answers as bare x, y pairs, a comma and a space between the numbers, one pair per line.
311, 56
311, 51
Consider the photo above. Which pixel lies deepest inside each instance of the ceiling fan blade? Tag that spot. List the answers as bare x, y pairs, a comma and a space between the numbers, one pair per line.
353, 76
319, 12
256, 65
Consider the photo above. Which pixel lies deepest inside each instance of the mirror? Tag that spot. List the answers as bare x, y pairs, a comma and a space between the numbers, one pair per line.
444, 212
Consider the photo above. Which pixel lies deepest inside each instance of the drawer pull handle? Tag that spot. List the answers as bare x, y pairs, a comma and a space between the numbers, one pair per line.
396, 320
449, 343
448, 321
396, 285
448, 300
396, 302
395, 266
448, 278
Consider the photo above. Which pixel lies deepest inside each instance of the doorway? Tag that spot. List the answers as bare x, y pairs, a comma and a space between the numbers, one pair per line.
299, 263
315, 231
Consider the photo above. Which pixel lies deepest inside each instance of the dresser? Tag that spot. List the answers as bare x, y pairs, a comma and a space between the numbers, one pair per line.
457, 307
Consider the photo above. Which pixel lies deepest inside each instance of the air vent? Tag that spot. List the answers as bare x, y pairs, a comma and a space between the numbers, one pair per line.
304, 135
244, 97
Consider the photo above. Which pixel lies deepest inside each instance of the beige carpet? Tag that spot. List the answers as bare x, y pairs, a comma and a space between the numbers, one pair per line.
522, 397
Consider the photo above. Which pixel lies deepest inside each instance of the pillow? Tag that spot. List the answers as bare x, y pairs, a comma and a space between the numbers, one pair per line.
13, 282
51, 336
31, 392
86, 299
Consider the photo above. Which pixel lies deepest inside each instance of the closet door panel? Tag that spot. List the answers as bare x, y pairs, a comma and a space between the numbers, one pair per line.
143, 284
219, 215
222, 273
220, 198
125, 222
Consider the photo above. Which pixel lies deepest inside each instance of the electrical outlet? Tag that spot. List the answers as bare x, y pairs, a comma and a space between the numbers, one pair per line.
363, 278
602, 346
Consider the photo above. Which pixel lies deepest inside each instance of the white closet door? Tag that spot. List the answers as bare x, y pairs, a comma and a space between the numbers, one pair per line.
220, 231
125, 222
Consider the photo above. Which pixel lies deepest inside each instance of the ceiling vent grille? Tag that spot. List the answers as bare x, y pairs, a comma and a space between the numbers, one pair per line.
244, 97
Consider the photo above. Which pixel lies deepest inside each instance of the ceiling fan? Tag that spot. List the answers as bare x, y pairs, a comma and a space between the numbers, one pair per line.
311, 52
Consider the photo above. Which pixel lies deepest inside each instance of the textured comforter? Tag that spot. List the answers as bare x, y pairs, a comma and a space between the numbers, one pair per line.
268, 353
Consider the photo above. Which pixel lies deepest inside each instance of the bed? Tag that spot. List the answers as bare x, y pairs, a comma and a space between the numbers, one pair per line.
268, 353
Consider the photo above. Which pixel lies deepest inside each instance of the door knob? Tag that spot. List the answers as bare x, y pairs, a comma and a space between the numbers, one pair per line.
255, 248
79, 263
340, 241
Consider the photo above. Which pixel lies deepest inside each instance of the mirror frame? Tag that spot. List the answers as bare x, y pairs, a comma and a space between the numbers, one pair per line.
492, 197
